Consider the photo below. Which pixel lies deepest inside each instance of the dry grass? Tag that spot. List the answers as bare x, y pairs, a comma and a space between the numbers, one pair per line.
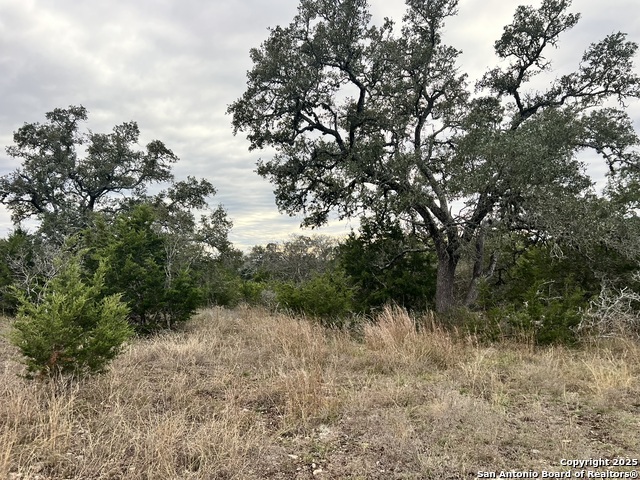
247, 395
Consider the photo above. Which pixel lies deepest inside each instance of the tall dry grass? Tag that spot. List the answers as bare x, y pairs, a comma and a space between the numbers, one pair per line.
245, 394
396, 337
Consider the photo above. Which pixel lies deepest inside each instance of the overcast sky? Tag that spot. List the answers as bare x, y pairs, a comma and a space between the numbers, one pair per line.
174, 67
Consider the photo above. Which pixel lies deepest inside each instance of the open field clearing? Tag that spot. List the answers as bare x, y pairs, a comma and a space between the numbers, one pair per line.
244, 394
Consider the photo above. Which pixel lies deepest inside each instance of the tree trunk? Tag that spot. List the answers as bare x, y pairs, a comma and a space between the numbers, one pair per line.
479, 271
478, 264
447, 264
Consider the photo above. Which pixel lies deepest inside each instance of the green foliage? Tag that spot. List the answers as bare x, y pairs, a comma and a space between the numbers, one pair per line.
75, 329
229, 289
181, 298
222, 287
221, 281
135, 255
385, 267
252, 293
327, 296
380, 120
299, 274
543, 294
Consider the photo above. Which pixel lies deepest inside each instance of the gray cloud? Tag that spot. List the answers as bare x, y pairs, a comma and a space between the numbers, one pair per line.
175, 66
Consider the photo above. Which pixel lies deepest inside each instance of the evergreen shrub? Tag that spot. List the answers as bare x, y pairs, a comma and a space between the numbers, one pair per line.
74, 329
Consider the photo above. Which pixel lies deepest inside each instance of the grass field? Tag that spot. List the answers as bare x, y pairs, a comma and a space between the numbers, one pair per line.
243, 394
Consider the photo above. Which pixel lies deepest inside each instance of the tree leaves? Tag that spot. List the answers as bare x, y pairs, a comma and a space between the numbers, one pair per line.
369, 121
61, 188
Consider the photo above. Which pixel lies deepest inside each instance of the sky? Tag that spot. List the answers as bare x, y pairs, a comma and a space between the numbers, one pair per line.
175, 66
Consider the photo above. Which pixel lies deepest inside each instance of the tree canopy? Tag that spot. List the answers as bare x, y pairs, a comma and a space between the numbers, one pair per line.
66, 173
89, 192
379, 120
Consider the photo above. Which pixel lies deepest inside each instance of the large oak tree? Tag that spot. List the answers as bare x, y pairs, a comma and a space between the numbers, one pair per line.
379, 120
59, 186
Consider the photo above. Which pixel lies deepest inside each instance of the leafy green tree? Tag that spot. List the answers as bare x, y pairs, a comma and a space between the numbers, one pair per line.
60, 188
75, 329
79, 184
380, 121
64, 189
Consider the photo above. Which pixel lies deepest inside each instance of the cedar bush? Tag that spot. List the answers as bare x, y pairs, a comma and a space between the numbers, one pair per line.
380, 273
327, 297
158, 295
540, 294
74, 329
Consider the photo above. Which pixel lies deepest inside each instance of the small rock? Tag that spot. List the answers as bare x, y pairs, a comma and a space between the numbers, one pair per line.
317, 471
323, 432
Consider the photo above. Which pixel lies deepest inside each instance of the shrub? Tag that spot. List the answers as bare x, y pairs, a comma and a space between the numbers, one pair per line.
384, 266
74, 329
544, 318
181, 299
221, 286
251, 292
326, 296
614, 312
225, 288
540, 295
137, 267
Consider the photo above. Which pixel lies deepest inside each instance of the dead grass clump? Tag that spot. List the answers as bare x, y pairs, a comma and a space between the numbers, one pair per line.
625, 348
260, 339
39, 428
393, 329
396, 338
611, 381
309, 399
294, 341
